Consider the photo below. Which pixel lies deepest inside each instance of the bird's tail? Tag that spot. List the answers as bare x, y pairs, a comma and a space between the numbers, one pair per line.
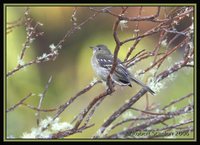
143, 85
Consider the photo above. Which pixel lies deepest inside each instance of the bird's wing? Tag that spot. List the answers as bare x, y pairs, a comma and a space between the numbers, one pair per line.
106, 61
121, 72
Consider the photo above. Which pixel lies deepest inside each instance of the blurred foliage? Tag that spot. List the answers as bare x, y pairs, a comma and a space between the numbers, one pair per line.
72, 71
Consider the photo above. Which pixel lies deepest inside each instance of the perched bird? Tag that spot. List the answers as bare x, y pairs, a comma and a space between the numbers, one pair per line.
102, 61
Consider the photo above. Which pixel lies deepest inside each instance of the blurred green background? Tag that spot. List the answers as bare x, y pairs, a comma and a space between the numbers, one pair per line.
71, 71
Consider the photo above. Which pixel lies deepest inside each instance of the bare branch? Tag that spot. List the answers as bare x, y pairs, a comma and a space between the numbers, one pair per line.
64, 106
70, 132
19, 103
41, 99
117, 47
39, 110
83, 114
54, 52
177, 100
158, 119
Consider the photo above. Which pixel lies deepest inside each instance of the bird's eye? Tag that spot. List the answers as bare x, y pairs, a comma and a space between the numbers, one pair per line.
99, 48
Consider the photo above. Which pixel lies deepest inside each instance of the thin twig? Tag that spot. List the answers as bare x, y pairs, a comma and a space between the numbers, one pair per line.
147, 112
137, 33
41, 99
39, 110
157, 120
117, 47
19, 103
83, 114
72, 99
69, 132
177, 100
131, 119
52, 54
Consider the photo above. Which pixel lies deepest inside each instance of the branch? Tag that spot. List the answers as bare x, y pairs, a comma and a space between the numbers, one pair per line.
63, 107
54, 49
72, 99
41, 99
117, 47
83, 114
177, 100
69, 132
19, 103
122, 17
123, 108
118, 112
39, 110
151, 122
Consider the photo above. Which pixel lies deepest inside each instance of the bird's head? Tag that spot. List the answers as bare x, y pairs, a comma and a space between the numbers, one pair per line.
100, 49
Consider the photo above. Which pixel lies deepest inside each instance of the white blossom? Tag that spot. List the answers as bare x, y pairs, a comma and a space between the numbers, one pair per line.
154, 85
31, 39
123, 24
136, 30
164, 43
192, 26
191, 44
61, 126
55, 127
40, 95
99, 132
39, 23
21, 62
52, 47
158, 110
26, 12
175, 22
45, 122
93, 81
44, 55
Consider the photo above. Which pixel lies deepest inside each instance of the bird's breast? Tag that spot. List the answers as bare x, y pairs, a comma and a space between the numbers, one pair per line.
100, 71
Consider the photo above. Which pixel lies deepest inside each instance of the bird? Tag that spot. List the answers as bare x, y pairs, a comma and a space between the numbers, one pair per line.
102, 61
